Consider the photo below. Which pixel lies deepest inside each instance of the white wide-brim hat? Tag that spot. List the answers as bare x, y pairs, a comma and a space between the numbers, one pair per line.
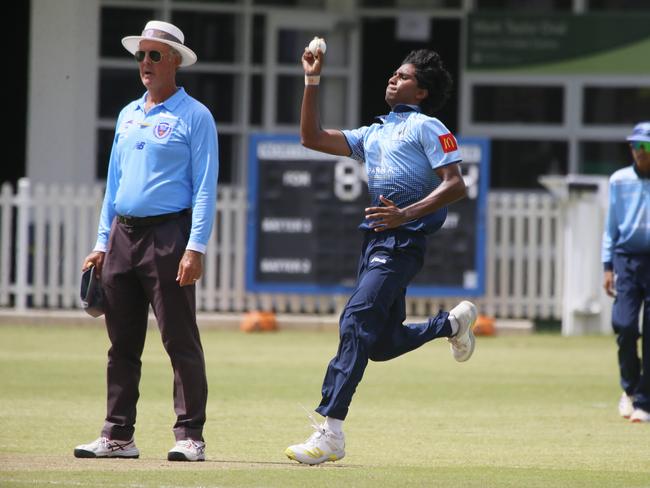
164, 32
641, 132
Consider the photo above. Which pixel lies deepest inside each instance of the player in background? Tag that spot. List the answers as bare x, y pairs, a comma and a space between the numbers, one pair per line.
626, 257
412, 161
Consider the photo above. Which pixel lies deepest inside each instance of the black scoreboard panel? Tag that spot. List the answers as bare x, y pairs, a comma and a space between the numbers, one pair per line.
303, 228
451, 251
305, 208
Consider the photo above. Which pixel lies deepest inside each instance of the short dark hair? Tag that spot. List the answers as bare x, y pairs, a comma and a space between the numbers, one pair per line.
431, 75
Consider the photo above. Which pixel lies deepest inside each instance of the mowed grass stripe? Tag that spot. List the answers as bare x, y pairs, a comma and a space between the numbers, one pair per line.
525, 411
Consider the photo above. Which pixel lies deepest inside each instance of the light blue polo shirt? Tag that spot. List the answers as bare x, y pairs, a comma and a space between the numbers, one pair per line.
161, 162
401, 156
627, 228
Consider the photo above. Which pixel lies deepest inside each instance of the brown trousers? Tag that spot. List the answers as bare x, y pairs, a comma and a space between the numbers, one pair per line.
140, 268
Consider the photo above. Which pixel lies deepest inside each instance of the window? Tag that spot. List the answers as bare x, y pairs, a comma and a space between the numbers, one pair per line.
104, 144
216, 38
519, 163
292, 3
292, 42
117, 87
613, 105
411, 3
259, 38
212, 36
524, 5
288, 99
521, 104
210, 1
257, 100
603, 157
246, 91
618, 5
217, 91
117, 23
228, 156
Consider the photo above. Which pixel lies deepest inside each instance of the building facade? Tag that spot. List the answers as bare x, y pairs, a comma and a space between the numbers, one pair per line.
555, 84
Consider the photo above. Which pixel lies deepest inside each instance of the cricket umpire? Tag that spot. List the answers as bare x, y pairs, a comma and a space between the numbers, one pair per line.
154, 227
626, 259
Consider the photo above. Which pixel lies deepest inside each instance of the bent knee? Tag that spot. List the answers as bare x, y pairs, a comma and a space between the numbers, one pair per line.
627, 331
378, 356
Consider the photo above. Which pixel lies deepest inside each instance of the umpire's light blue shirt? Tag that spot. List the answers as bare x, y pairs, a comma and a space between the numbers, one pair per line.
401, 156
627, 229
161, 162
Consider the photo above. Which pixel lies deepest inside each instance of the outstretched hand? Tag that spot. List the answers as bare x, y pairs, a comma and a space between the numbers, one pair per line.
387, 217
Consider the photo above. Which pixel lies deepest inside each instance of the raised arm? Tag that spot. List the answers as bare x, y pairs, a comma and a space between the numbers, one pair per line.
311, 133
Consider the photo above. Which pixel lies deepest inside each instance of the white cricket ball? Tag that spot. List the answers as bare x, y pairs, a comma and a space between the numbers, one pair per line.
316, 44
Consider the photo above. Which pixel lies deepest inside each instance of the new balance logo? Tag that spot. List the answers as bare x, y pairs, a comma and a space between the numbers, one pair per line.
377, 259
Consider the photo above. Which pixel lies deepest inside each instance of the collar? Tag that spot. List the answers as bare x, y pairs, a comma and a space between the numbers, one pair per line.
170, 104
400, 108
643, 175
403, 107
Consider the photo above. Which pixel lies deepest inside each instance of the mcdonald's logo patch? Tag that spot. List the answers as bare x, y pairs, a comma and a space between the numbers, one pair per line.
448, 143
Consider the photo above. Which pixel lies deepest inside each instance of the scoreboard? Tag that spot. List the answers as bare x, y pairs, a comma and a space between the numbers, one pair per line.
304, 208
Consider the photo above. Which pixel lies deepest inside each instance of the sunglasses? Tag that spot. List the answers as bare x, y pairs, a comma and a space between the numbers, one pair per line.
640, 146
155, 56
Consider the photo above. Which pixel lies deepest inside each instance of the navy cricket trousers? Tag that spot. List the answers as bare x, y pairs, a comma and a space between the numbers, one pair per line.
372, 323
633, 290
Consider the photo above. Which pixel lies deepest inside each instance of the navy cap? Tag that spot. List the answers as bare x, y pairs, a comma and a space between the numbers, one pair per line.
91, 293
641, 132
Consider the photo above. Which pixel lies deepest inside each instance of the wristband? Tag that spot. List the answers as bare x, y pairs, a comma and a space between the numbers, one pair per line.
312, 80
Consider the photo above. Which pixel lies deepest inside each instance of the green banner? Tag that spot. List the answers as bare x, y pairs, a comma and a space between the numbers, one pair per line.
549, 44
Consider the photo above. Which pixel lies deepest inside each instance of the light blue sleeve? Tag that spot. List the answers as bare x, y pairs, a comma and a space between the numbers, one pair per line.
204, 149
112, 180
611, 232
439, 143
355, 138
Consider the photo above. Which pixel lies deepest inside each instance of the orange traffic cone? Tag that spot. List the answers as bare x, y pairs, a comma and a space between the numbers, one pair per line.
259, 322
484, 326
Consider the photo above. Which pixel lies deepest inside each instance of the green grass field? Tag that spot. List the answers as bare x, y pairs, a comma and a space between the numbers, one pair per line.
534, 411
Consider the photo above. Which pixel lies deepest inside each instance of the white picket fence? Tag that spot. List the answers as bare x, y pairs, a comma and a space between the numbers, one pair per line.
47, 230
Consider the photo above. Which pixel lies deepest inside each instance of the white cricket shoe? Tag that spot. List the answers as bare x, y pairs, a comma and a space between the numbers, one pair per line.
463, 343
323, 445
104, 447
625, 407
187, 450
640, 415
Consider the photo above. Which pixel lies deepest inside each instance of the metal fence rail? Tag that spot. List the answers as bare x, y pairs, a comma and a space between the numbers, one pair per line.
46, 230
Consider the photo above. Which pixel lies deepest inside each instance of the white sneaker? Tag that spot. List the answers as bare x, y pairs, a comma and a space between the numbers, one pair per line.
462, 344
104, 447
187, 450
640, 415
625, 407
323, 445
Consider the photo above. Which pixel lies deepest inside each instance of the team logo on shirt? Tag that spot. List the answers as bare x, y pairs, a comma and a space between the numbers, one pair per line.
162, 130
448, 143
